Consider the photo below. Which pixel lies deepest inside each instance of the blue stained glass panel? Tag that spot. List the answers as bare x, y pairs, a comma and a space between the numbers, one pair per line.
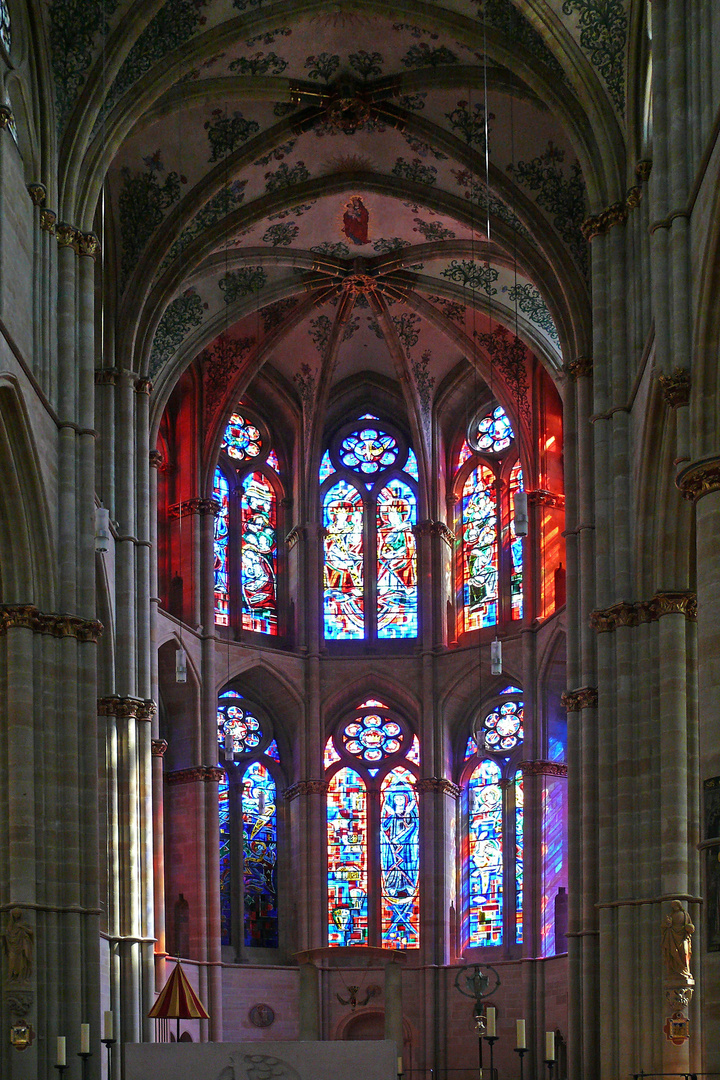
221, 493
344, 566
511, 690
259, 555
519, 805
369, 451
397, 594
516, 548
326, 466
272, 751
485, 855
494, 432
260, 857
400, 861
241, 439
411, 466
233, 718
225, 888
347, 856
471, 748
480, 549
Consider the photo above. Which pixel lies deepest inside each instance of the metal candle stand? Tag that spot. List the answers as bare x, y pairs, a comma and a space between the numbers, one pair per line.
550, 1063
521, 1051
491, 1040
108, 1044
61, 1069
84, 1054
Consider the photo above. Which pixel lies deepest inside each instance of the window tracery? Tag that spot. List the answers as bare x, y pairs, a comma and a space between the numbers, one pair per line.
373, 845
368, 480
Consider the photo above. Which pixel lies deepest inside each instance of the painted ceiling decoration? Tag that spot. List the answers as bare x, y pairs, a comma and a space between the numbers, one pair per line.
323, 191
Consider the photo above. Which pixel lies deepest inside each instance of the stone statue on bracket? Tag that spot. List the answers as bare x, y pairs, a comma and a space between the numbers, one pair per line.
18, 947
677, 931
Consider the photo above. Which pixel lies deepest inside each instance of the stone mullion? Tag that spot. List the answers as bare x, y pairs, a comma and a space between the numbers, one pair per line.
39, 284
570, 451
206, 591
128, 885
625, 711
647, 770
607, 848
159, 746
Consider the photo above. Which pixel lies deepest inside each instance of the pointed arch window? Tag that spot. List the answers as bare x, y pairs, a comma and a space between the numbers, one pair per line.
368, 479
248, 797
246, 558
373, 821
490, 556
493, 808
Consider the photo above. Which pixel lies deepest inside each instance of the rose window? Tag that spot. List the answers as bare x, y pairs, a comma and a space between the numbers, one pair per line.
494, 433
503, 728
242, 439
368, 451
242, 725
372, 737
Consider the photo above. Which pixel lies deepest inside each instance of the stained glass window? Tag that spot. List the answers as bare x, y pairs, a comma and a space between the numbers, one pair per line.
485, 870
480, 549
399, 860
554, 843
232, 716
411, 465
516, 548
331, 755
465, 454
272, 751
241, 439
413, 753
225, 881
503, 727
369, 451
494, 432
518, 856
471, 749
372, 737
511, 690
272, 460
221, 493
326, 467
347, 854
259, 555
344, 562
5, 34
259, 857
397, 597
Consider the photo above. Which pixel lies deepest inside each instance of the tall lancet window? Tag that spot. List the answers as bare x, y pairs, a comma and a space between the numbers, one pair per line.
249, 755
247, 487
490, 556
493, 802
368, 486
373, 824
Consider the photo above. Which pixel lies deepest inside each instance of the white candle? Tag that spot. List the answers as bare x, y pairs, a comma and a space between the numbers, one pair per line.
520, 1043
61, 1052
549, 1045
400, 1067
84, 1038
108, 1025
490, 1022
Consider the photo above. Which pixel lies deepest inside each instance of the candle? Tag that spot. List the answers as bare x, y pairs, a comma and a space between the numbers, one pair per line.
84, 1038
549, 1045
490, 1022
520, 1042
108, 1025
61, 1052
400, 1067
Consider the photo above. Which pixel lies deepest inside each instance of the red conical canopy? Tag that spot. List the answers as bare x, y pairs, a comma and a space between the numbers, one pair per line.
177, 1000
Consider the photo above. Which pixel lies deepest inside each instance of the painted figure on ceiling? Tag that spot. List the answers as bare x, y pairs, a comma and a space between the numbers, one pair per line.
356, 220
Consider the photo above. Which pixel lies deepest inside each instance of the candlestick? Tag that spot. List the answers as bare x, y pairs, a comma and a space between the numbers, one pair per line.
490, 1030
521, 1051
491, 1040
61, 1052
108, 1044
549, 1045
61, 1069
520, 1038
550, 1062
84, 1055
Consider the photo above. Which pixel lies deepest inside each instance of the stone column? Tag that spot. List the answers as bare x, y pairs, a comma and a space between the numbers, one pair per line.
393, 1004
309, 1001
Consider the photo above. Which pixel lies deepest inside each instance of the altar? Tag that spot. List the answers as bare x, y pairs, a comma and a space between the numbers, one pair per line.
361, 1060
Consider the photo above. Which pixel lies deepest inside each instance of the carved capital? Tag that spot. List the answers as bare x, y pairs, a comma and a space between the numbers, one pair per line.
629, 613
6, 117
38, 194
438, 784
47, 221
156, 460
144, 386
599, 224
643, 170
158, 747
580, 368
633, 197
543, 768
107, 376
296, 534
306, 787
126, 707
592, 227
29, 617
540, 497
676, 387
699, 479
584, 698
88, 244
194, 506
201, 774
67, 236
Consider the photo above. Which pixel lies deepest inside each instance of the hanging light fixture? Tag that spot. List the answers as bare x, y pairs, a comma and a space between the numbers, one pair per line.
496, 664
520, 523
180, 665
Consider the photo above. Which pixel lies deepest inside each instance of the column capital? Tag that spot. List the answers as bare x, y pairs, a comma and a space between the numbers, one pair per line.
700, 478
47, 221
543, 768
540, 497
31, 618
144, 386
634, 613
188, 507
306, 787
586, 697
123, 707
676, 387
580, 368
6, 117
600, 224
158, 747
68, 236
643, 169
88, 244
438, 784
38, 194
200, 774
297, 533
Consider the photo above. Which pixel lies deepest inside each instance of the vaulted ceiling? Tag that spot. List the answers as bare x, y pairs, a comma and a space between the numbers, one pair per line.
324, 189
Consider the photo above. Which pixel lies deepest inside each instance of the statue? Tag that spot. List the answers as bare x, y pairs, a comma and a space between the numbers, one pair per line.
18, 947
677, 931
